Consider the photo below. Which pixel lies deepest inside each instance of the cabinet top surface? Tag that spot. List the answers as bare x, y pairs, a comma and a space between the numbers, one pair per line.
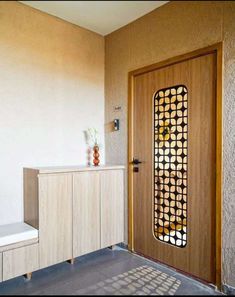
75, 168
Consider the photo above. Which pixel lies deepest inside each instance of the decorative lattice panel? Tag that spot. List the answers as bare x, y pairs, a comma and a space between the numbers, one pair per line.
170, 165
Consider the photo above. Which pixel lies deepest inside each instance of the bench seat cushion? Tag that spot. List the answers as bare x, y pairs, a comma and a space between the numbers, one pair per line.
17, 232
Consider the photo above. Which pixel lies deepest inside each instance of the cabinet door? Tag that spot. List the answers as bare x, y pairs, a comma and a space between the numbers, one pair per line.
86, 213
20, 261
55, 218
112, 207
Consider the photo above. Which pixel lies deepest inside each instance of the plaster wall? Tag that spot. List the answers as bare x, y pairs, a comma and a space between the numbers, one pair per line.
51, 90
171, 30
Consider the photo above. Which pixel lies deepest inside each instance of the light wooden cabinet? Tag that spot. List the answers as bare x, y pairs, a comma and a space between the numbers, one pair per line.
0, 267
112, 207
20, 261
86, 213
98, 210
77, 210
55, 218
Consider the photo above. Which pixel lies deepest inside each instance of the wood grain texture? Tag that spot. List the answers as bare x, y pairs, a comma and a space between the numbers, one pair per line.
219, 162
67, 169
86, 213
217, 49
55, 218
112, 207
198, 257
130, 158
20, 261
142, 43
31, 215
18, 245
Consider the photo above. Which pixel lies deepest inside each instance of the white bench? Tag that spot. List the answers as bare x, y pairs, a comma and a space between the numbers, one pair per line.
16, 233
18, 250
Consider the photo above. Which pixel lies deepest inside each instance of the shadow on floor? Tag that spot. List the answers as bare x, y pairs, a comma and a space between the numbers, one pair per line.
107, 272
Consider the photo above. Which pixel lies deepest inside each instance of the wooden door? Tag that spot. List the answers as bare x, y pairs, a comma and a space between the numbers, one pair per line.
174, 137
86, 213
112, 207
55, 218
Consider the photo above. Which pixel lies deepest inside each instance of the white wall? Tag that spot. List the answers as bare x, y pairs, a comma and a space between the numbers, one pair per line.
51, 90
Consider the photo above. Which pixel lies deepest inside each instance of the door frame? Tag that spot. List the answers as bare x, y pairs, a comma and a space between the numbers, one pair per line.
218, 50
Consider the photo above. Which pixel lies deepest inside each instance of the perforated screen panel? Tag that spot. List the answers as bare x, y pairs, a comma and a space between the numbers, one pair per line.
170, 165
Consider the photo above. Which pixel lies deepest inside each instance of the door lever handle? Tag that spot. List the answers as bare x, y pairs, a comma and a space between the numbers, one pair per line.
136, 161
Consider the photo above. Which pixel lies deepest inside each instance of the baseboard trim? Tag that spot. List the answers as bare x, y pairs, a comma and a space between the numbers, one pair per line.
228, 290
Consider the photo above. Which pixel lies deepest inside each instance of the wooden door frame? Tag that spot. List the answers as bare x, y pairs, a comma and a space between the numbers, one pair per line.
218, 50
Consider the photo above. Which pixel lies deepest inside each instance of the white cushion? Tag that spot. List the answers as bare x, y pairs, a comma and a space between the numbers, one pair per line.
13, 233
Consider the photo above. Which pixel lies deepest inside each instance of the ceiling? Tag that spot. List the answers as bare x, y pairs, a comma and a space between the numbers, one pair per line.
102, 17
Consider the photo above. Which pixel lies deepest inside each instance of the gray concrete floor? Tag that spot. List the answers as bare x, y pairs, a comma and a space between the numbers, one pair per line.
107, 272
